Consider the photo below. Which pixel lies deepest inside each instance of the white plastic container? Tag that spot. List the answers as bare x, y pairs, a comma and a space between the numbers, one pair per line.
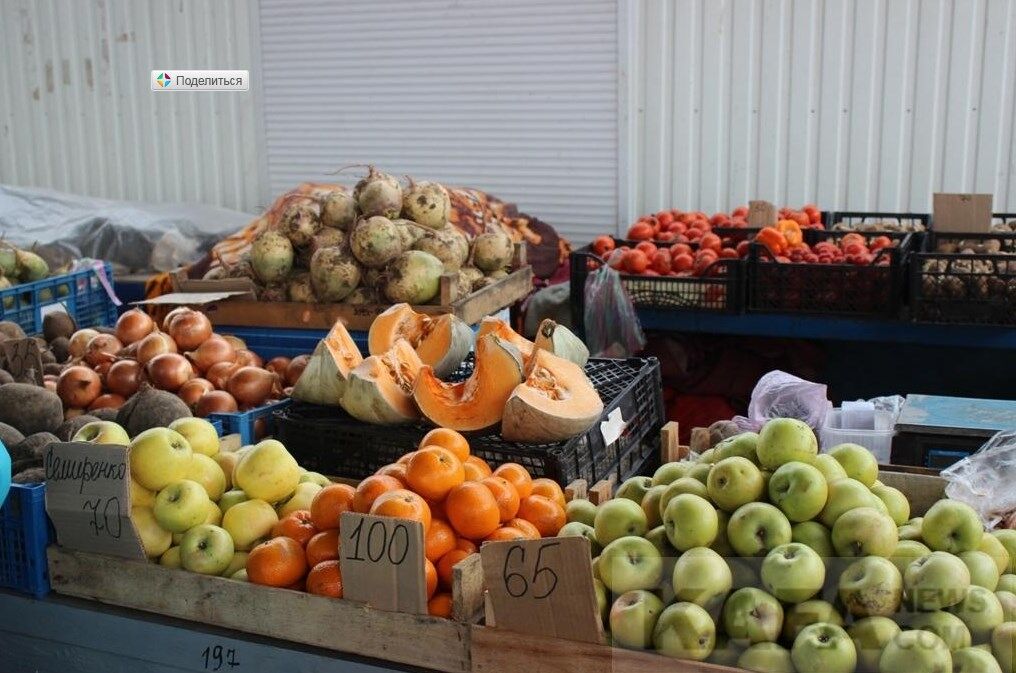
879, 441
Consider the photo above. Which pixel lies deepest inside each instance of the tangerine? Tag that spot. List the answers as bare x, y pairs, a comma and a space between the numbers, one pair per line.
445, 565
297, 525
528, 529
368, 490
397, 470
476, 469
405, 458
279, 562
544, 513
433, 472
472, 510
506, 496
506, 533
440, 540
328, 505
323, 547
430, 575
449, 439
440, 605
466, 545
403, 504
325, 579
549, 488
518, 476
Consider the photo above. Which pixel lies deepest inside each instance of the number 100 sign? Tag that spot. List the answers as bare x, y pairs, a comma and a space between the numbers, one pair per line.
381, 559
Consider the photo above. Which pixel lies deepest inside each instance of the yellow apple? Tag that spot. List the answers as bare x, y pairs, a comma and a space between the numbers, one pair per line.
154, 539
248, 522
214, 514
102, 432
230, 498
227, 461
267, 472
140, 496
200, 433
315, 478
238, 563
240, 575
171, 558
207, 472
299, 499
158, 457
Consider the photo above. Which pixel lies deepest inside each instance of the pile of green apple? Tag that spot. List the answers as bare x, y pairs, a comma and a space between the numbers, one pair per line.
201, 508
764, 554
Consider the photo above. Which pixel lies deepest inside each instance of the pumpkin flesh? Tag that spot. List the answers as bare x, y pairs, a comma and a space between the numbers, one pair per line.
380, 389
324, 379
499, 328
442, 342
561, 341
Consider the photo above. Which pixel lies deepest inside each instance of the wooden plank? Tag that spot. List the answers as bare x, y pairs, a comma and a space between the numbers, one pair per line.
449, 290
493, 298
577, 490
700, 441
467, 589
670, 444
601, 491
344, 626
962, 213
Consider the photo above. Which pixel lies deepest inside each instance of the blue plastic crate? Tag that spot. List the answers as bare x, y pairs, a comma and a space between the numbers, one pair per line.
270, 342
25, 532
82, 294
242, 422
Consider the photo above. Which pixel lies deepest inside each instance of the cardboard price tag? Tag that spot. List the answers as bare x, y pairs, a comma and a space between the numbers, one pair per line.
761, 214
543, 587
21, 357
381, 559
88, 498
962, 213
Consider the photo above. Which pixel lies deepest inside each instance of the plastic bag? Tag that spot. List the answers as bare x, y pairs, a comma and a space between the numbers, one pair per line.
782, 395
612, 326
984, 479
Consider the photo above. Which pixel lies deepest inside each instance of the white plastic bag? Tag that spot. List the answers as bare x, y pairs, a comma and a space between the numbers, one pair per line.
782, 395
612, 326
984, 479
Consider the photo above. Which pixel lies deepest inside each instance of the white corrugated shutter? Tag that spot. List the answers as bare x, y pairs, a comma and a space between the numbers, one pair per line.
517, 98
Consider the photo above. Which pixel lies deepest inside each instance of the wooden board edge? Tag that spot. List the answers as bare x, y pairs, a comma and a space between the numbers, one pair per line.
467, 589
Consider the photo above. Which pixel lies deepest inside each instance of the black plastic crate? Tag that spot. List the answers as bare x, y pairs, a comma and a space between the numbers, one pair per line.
841, 219
954, 287
327, 440
873, 291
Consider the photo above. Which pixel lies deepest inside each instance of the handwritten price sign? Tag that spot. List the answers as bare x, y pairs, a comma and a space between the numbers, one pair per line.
382, 562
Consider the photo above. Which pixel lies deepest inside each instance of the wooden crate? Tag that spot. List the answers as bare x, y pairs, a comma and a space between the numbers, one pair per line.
334, 624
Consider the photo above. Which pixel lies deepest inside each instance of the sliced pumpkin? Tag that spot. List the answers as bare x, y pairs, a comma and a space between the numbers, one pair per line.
499, 328
442, 342
324, 379
555, 402
478, 402
380, 389
561, 341
399, 321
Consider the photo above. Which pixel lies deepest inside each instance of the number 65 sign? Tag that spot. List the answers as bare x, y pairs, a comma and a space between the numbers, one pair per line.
543, 587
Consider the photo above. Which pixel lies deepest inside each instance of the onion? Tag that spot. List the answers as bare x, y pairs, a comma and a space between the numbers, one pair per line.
179, 310
260, 428
107, 401
155, 344
219, 373
102, 369
78, 386
249, 358
124, 378
49, 385
277, 365
169, 371
102, 348
133, 326
190, 330
215, 402
214, 350
295, 368
193, 390
238, 343
79, 342
251, 386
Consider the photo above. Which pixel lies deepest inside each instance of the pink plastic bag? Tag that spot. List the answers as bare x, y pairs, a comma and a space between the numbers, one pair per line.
782, 395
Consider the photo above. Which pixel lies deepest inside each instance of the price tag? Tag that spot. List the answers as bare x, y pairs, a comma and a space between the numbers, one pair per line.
543, 587
761, 214
962, 213
22, 358
381, 559
88, 498
219, 658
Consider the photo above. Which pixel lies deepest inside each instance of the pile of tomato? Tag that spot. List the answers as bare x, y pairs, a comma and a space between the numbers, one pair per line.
677, 259
677, 226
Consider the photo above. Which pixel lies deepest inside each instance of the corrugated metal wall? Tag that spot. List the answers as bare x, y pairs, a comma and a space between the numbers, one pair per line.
518, 98
77, 113
859, 104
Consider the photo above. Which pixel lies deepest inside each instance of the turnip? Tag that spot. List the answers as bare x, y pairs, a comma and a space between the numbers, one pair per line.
373, 278
378, 194
301, 221
334, 273
271, 257
274, 292
338, 210
449, 245
4, 284
468, 275
414, 277
410, 232
375, 241
8, 259
299, 289
361, 296
325, 238
492, 250
31, 267
427, 204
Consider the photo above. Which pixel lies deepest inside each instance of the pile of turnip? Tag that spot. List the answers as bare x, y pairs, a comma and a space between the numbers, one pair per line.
383, 242
19, 266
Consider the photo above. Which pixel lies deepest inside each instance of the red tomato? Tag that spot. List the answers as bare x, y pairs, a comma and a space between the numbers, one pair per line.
728, 253
665, 236
640, 231
635, 261
680, 249
664, 217
738, 222
650, 272
603, 244
682, 262
880, 242
648, 248
678, 227
740, 211
661, 262
854, 249
742, 248
710, 241
680, 238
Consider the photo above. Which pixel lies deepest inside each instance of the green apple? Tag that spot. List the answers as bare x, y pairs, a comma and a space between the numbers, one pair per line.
701, 576
658, 536
815, 535
757, 528
753, 615
983, 569
783, 440
991, 546
602, 605
1003, 645
823, 648
952, 526
744, 445
911, 530
651, 506
238, 562
630, 563
974, 660
619, 518
950, 628
809, 612
829, 467
858, 462
684, 631
915, 652
690, 521
240, 575
799, 490
700, 472
206, 550
633, 617
870, 587
895, 502
158, 457
317, 478
766, 658
171, 558
634, 489
726, 652
721, 545
267, 472
733, 482
1007, 537
199, 433
181, 505
745, 572
981, 611
248, 522
669, 472
844, 495
707, 456
207, 472
581, 510
1007, 582
793, 572
936, 581
864, 531
1007, 600
140, 496
230, 498
682, 485
102, 432
578, 529
154, 538
870, 636
908, 551
300, 499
